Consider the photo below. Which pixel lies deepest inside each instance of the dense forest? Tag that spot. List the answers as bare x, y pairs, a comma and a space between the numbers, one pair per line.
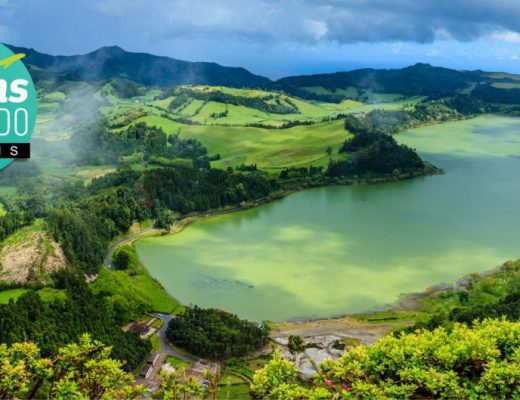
373, 149
73, 312
216, 334
85, 227
13, 221
96, 144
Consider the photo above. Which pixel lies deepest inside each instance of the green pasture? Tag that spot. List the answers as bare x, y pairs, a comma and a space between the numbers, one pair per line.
6, 295
270, 148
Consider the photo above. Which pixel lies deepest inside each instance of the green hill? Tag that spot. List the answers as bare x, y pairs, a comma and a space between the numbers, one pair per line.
114, 62
418, 79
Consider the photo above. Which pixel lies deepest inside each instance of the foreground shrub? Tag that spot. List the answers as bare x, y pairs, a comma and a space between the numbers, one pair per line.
478, 362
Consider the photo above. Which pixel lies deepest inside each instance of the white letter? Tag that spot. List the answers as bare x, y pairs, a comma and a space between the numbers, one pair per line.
14, 151
3, 91
18, 88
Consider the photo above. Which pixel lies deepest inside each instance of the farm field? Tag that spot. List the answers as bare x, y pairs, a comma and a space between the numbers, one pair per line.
270, 148
245, 131
10, 294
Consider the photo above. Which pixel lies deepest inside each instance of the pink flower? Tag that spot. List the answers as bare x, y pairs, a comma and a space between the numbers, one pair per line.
328, 382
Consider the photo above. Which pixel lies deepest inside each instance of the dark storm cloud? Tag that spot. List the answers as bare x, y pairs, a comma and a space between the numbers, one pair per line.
344, 21
276, 37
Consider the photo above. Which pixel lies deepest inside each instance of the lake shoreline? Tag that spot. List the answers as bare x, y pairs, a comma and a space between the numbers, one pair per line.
189, 219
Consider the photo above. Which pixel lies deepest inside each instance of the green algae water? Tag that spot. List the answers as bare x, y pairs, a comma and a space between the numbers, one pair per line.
339, 250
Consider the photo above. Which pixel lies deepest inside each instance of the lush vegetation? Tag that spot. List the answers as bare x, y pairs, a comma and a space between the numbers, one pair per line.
81, 370
85, 228
53, 324
477, 362
13, 221
489, 296
373, 149
215, 334
134, 287
98, 145
85, 370
137, 152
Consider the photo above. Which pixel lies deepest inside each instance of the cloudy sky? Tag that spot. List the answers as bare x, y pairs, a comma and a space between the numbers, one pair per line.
277, 38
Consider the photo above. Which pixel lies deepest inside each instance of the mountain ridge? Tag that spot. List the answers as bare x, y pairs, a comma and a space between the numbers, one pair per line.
113, 62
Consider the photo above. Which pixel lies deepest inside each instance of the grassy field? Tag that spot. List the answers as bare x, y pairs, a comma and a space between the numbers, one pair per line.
156, 343
178, 363
137, 282
6, 295
301, 145
221, 127
234, 392
269, 148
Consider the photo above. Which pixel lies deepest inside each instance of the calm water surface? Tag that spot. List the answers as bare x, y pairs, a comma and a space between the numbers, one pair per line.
339, 250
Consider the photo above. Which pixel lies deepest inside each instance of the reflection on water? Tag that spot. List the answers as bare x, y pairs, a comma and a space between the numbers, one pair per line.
338, 250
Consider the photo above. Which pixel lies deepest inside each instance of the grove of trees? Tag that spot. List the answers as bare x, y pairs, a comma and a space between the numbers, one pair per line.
215, 334
55, 323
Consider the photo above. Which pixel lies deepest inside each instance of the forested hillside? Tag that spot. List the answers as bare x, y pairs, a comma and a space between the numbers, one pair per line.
114, 62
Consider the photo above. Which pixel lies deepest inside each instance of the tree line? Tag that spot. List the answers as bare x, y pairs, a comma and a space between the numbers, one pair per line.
269, 103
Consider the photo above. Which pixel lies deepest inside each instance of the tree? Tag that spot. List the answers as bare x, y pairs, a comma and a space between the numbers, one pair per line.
328, 150
213, 379
295, 345
122, 260
164, 220
82, 370
52, 324
176, 386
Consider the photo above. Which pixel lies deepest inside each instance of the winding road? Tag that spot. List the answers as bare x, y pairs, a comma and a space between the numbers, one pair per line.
129, 238
166, 348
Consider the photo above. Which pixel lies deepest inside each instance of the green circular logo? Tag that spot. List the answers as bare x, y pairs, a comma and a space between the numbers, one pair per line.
18, 107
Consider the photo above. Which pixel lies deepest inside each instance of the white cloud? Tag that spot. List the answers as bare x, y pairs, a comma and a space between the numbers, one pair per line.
504, 36
317, 29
